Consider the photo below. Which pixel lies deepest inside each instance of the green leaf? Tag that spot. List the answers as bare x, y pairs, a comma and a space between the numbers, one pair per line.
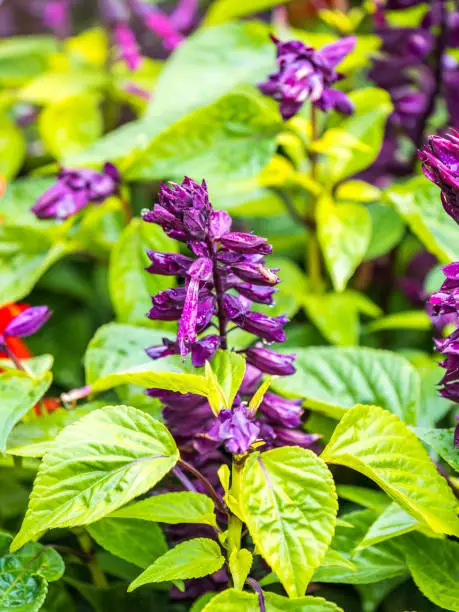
232, 600
368, 498
344, 232
366, 125
71, 125
433, 406
12, 148
373, 564
345, 329
289, 505
24, 57
210, 63
138, 541
332, 380
387, 229
19, 393
131, 287
64, 88
172, 508
410, 319
35, 437
18, 199
226, 10
442, 441
393, 522
96, 465
418, 202
358, 191
191, 559
36, 366
377, 444
372, 595
233, 138
240, 564
333, 558
229, 370
433, 565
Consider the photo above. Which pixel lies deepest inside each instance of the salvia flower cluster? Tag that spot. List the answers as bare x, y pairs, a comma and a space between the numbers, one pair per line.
307, 74
224, 275
440, 162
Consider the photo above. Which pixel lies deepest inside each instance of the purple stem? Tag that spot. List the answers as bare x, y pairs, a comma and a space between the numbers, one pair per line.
186, 482
257, 588
213, 493
17, 362
219, 294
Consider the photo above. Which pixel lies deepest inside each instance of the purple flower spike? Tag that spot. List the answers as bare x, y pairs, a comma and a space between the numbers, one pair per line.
237, 429
270, 362
286, 413
440, 163
126, 43
305, 73
74, 190
28, 322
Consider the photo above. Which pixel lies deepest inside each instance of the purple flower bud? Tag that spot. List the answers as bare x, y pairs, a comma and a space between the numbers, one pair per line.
440, 163
236, 429
282, 411
167, 305
126, 43
446, 300
168, 264
233, 306
259, 324
294, 437
251, 380
159, 23
206, 310
270, 362
256, 274
195, 223
306, 73
158, 351
256, 293
246, 243
203, 350
28, 322
219, 224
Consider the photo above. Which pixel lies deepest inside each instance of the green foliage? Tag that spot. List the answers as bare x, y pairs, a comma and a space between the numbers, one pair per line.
442, 442
191, 559
295, 486
240, 564
172, 508
332, 380
19, 393
377, 444
225, 10
96, 465
234, 601
12, 148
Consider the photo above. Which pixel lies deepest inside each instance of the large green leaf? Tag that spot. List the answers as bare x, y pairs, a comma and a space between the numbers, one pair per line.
344, 232
137, 541
24, 576
366, 125
210, 63
377, 444
19, 392
331, 380
373, 563
35, 437
442, 441
289, 504
96, 465
12, 148
434, 567
418, 202
387, 228
131, 287
232, 600
71, 125
233, 138
368, 498
345, 329
191, 559
172, 508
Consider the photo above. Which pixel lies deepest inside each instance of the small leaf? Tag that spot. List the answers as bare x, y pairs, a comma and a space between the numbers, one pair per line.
377, 444
96, 465
191, 559
332, 380
137, 541
240, 564
12, 148
215, 393
344, 233
333, 558
172, 508
259, 394
19, 393
442, 441
411, 319
232, 600
433, 565
229, 369
289, 505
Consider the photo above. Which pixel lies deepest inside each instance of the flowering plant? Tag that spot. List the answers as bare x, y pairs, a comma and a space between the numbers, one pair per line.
241, 219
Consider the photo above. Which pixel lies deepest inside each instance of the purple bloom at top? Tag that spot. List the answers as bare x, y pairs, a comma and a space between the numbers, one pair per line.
440, 164
224, 276
26, 323
306, 73
74, 190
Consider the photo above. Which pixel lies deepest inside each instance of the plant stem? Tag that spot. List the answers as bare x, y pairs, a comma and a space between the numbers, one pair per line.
213, 493
314, 137
97, 574
257, 588
234, 523
17, 362
313, 262
186, 482
219, 292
